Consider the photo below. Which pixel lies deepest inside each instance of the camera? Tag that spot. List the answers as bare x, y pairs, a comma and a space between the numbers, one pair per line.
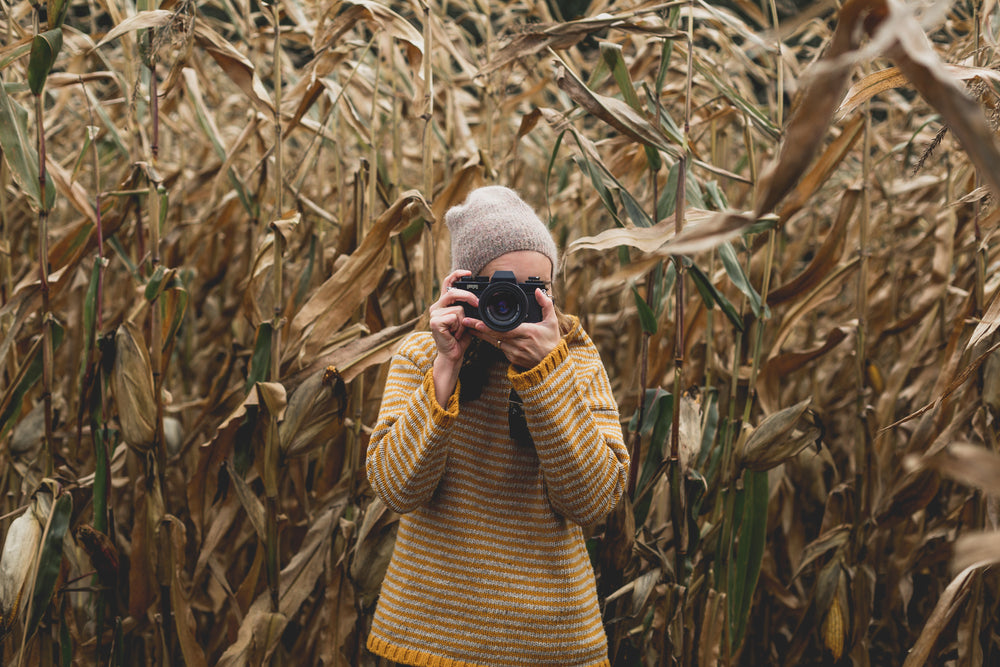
503, 302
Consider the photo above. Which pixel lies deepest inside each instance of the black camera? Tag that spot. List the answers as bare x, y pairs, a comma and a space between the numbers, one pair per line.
503, 302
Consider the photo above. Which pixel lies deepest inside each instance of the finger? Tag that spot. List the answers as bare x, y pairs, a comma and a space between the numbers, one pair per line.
452, 277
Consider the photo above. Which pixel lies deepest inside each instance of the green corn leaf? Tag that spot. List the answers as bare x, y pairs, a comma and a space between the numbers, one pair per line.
155, 284
716, 196
92, 132
19, 149
646, 315
666, 50
658, 418
710, 425
44, 51
605, 183
668, 198
31, 372
102, 473
65, 644
735, 271
50, 560
123, 255
260, 362
754, 113
749, 551
711, 296
57, 12
89, 318
636, 213
612, 54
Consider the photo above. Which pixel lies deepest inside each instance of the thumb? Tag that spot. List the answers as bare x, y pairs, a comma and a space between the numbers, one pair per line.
545, 301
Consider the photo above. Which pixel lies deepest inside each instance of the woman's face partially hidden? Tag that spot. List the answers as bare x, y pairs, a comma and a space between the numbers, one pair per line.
524, 264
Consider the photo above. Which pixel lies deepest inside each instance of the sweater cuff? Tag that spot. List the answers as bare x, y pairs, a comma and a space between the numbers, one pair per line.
450, 411
534, 376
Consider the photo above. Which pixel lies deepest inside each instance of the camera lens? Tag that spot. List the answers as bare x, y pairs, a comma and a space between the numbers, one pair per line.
503, 306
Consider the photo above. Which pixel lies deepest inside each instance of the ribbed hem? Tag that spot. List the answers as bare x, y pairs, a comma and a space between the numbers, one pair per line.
534, 376
439, 414
409, 656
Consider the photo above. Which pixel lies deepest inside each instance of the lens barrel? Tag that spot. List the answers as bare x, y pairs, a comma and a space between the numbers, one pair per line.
503, 306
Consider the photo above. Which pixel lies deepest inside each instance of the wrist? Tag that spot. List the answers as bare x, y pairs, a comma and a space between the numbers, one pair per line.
445, 373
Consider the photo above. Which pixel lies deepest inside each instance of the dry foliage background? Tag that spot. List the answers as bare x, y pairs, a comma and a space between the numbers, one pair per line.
234, 225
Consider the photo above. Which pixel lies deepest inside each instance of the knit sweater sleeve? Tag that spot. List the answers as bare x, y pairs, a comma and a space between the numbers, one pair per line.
408, 448
573, 420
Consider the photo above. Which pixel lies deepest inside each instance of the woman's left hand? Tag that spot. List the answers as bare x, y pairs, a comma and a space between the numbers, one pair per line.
529, 343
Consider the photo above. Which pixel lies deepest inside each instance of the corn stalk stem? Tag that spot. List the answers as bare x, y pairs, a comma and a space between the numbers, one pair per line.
864, 472
427, 158
6, 277
272, 446
678, 509
43, 276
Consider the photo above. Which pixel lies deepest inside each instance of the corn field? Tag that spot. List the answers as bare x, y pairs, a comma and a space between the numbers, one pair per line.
778, 223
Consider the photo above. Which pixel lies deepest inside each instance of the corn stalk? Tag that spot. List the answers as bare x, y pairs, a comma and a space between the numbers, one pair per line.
272, 445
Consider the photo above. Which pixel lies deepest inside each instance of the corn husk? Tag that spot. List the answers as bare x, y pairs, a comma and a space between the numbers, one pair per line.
20, 549
315, 413
132, 386
777, 439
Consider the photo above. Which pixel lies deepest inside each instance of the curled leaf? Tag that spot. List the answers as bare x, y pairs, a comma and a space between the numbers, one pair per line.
153, 18
44, 50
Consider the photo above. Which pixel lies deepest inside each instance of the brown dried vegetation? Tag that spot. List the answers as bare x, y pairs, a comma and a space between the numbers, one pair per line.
238, 218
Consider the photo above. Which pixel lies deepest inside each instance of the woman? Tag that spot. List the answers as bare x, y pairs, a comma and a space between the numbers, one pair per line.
496, 447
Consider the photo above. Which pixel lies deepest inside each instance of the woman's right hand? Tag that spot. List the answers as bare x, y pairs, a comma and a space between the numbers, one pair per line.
450, 335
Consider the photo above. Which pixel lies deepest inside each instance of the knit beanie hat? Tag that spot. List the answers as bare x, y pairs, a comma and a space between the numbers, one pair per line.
493, 221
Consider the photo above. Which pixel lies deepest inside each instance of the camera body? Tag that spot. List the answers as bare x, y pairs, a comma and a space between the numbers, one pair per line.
504, 303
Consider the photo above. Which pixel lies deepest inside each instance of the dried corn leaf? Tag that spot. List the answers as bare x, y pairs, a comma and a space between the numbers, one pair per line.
250, 502
918, 60
966, 463
944, 611
333, 303
372, 551
237, 66
976, 550
815, 107
260, 631
180, 598
825, 259
152, 18
776, 370
387, 20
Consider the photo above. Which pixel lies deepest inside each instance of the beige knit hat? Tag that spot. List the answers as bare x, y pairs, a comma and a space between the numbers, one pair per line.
492, 222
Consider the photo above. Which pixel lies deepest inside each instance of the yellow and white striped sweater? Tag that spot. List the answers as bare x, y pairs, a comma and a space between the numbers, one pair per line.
490, 566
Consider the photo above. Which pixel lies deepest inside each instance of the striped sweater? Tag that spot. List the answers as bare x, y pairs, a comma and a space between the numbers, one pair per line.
490, 566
